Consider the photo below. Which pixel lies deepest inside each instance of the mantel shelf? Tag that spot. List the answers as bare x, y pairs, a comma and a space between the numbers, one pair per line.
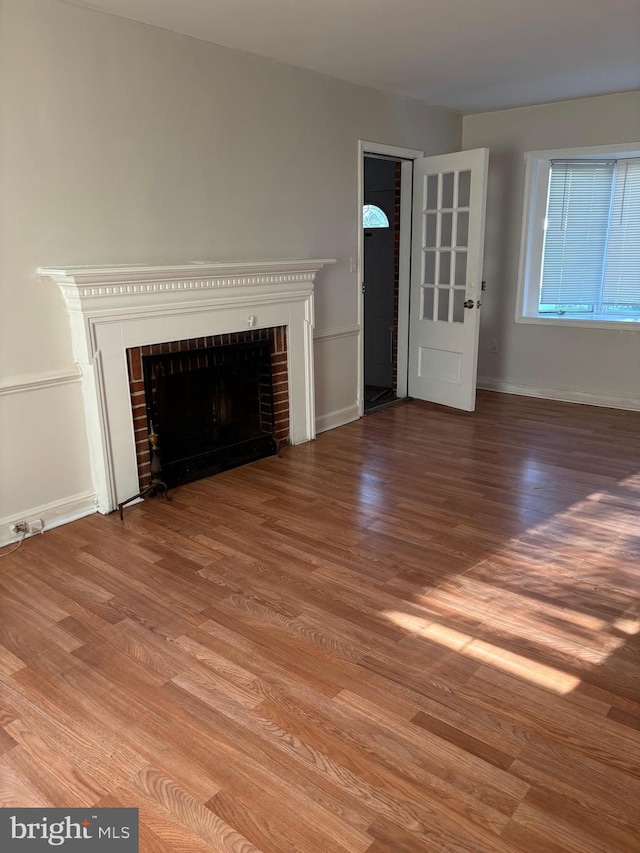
195, 271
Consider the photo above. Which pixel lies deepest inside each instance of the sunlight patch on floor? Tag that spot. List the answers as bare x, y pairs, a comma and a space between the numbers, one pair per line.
627, 626
546, 599
540, 674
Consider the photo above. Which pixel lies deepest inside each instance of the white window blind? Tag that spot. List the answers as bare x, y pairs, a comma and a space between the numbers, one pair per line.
577, 224
622, 268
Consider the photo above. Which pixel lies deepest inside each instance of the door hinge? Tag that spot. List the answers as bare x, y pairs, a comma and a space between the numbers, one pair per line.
484, 285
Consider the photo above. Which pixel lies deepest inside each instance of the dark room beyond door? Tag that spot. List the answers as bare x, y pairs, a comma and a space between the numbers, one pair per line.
381, 197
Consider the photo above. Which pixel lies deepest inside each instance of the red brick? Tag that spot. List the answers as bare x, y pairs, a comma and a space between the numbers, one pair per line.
135, 364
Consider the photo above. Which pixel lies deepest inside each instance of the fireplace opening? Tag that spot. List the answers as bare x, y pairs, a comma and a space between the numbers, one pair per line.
212, 408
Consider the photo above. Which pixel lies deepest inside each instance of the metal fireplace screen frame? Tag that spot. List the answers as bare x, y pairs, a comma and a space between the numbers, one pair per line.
211, 407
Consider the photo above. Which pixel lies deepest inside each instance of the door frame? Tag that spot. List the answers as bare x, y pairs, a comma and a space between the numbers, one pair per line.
408, 155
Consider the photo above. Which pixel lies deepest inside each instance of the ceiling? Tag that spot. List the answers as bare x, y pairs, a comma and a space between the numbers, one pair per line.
469, 55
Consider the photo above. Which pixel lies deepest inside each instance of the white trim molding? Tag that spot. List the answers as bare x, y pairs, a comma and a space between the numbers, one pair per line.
114, 308
566, 395
332, 334
51, 515
38, 381
534, 213
390, 150
338, 418
404, 277
408, 156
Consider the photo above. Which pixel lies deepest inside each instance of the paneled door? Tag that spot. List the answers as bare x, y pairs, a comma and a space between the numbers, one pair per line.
449, 198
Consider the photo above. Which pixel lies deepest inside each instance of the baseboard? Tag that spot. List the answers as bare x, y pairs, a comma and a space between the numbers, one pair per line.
338, 418
52, 514
565, 395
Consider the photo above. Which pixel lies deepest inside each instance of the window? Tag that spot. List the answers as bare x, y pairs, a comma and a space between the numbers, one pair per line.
580, 257
374, 217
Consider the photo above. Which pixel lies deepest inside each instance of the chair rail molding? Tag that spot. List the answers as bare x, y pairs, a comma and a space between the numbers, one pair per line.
38, 381
338, 332
113, 308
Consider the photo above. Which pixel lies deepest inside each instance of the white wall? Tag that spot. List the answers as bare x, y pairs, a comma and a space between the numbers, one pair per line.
586, 365
123, 143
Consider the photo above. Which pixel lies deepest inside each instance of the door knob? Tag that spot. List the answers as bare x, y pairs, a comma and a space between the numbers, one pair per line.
469, 303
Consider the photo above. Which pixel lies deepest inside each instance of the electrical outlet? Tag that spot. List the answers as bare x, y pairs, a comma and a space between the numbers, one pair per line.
493, 347
27, 528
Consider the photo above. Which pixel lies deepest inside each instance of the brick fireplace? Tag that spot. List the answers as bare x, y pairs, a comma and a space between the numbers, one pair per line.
193, 351
115, 309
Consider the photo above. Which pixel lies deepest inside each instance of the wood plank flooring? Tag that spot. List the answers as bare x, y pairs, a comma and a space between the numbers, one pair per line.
418, 633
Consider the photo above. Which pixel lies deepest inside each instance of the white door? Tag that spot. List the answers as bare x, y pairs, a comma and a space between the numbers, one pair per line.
449, 197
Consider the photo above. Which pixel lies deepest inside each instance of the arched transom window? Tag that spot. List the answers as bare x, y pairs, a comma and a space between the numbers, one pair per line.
374, 217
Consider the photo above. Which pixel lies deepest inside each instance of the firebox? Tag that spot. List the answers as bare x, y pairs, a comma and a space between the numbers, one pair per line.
212, 408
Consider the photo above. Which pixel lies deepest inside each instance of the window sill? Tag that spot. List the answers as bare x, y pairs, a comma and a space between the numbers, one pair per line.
582, 323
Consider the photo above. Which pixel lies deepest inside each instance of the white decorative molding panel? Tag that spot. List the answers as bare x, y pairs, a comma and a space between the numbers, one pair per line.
113, 308
38, 381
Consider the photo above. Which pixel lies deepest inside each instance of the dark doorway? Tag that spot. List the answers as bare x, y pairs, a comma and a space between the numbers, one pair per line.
381, 223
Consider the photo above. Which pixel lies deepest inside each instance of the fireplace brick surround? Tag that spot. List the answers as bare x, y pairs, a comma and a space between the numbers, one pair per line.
278, 340
113, 309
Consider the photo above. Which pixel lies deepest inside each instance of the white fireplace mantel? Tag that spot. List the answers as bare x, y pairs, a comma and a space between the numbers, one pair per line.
113, 308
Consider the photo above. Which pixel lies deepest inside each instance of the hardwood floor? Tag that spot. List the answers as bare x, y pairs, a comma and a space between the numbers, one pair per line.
418, 633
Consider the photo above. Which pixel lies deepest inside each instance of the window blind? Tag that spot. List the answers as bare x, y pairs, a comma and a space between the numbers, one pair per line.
577, 224
622, 269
